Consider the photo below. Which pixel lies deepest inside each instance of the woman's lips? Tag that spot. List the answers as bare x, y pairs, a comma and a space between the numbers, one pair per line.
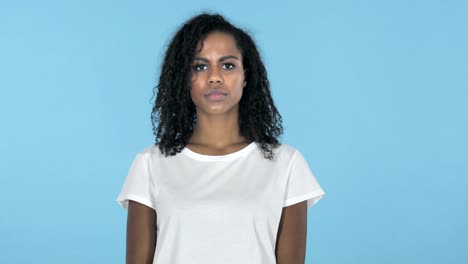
215, 96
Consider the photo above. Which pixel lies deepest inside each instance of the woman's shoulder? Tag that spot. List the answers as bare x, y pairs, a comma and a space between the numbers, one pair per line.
287, 148
154, 151
150, 150
283, 151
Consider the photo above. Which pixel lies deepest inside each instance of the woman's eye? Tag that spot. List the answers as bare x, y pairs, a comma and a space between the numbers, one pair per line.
229, 65
199, 66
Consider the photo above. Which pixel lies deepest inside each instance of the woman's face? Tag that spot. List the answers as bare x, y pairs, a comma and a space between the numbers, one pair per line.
217, 69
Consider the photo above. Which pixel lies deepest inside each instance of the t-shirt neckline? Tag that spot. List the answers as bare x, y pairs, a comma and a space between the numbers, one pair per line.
234, 155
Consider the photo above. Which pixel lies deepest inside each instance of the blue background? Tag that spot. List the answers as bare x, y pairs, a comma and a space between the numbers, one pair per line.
373, 93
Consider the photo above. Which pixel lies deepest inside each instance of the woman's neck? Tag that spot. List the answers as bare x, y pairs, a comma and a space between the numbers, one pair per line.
217, 132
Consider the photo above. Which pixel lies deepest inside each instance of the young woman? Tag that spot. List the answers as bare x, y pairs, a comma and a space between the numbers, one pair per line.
217, 186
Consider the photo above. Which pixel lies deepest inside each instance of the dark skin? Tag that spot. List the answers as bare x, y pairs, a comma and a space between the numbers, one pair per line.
218, 65
141, 233
292, 235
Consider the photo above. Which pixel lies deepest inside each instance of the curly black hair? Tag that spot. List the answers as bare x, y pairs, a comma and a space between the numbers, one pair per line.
174, 111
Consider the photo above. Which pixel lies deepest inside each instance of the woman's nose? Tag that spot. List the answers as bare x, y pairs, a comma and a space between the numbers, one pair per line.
215, 76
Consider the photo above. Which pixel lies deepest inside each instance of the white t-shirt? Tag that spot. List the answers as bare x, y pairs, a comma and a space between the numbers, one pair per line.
219, 209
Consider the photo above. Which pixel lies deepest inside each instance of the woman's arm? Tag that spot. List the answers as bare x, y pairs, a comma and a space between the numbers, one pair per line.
141, 233
292, 235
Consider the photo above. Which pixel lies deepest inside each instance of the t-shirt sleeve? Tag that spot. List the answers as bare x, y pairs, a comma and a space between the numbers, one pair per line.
138, 183
301, 184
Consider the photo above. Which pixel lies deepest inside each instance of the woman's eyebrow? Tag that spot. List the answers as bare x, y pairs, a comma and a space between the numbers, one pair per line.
220, 59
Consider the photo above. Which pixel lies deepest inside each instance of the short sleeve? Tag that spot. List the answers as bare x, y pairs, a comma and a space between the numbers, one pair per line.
301, 184
138, 183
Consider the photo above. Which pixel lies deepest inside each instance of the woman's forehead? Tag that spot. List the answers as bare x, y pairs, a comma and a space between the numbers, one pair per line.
218, 42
